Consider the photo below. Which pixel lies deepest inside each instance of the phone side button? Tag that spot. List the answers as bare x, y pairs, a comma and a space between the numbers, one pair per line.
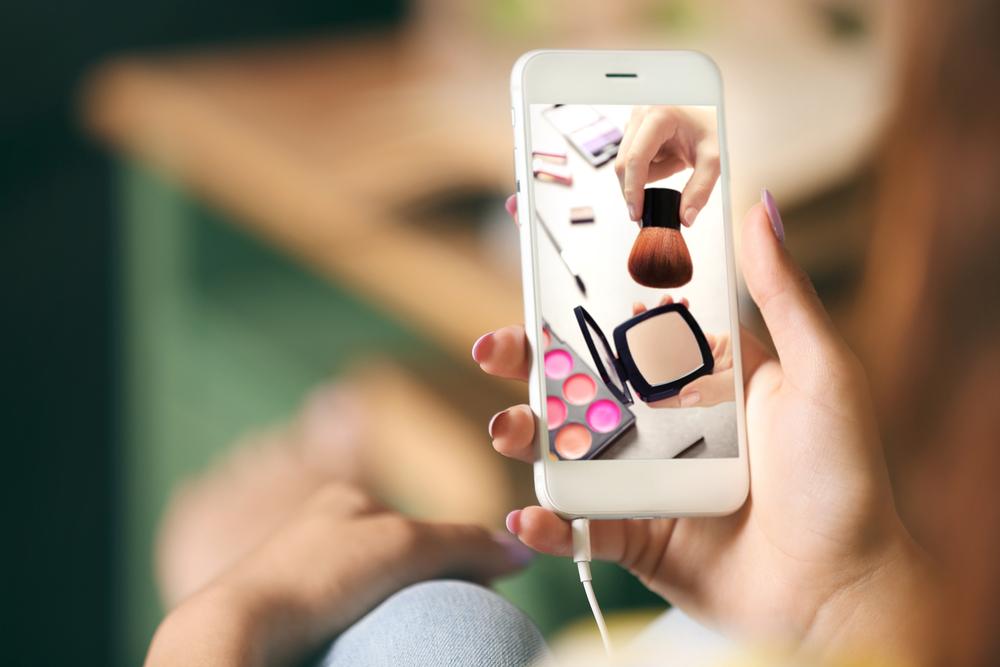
517, 185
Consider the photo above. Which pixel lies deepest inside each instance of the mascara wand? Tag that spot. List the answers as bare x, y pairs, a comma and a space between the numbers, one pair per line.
562, 254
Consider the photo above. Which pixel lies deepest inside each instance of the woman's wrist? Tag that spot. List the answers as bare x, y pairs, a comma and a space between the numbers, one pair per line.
884, 612
217, 626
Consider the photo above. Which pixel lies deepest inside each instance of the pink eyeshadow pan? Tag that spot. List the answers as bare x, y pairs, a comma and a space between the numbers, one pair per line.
573, 441
555, 410
579, 389
558, 364
603, 416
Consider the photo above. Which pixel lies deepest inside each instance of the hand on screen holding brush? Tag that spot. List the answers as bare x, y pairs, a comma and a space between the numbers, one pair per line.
707, 390
660, 141
818, 554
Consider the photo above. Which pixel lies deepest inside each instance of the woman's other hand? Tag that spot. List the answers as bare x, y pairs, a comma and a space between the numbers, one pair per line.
337, 558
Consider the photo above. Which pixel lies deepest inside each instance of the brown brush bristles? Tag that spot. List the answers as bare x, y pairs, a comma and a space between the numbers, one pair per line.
660, 258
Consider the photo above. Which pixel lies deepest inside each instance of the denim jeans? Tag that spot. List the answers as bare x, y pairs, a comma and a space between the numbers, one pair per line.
439, 623
458, 623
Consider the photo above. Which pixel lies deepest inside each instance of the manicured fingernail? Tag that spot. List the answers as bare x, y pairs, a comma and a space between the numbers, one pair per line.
482, 347
497, 419
689, 399
689, 215
519, 554
511, 204
631, 212
513, 522
772, 212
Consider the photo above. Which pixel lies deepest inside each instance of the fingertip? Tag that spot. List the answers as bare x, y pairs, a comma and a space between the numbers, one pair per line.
482, 348
513, 522
689, 399
637, 307
773, 215
511, 205
672, 402
689, 215
513, 432
543, 531
496, 424
504, 353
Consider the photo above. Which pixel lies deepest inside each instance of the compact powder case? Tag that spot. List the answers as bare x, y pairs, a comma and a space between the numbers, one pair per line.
584, 416
659, 352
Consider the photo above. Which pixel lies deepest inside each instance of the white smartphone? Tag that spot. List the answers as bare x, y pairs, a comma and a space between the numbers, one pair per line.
614, 439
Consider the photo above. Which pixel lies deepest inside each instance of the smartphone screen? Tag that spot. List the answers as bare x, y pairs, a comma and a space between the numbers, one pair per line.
629, 371
590, 133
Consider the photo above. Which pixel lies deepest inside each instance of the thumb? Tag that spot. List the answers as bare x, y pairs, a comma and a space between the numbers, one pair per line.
808, 346
469, 551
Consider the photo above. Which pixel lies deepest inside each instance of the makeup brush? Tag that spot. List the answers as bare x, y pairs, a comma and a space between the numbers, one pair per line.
562, 254
659, 256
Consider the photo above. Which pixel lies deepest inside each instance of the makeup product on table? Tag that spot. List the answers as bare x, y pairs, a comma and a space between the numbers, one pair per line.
551, 173
593, 136
562, 254
581, 214
549, 155
658, 352
659, 256
584, 416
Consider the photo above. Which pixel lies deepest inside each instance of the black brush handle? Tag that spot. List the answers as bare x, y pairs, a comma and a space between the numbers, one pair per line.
661, 207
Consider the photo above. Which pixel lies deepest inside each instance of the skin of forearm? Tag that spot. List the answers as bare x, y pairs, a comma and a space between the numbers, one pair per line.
211, 628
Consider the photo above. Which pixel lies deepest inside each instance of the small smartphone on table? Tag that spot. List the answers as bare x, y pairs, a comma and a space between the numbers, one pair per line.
638, 390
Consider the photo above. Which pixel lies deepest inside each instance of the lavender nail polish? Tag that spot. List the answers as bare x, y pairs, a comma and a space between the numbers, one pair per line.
518, 553
772, 213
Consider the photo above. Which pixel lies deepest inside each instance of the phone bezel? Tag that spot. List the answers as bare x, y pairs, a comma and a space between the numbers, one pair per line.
623, 488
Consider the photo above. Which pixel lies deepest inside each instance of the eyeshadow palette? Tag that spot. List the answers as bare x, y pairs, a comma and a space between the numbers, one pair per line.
584, 417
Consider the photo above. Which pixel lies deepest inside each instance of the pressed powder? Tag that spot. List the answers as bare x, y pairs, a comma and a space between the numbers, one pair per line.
604, 416
558, 364
573, 441
664, 348
579, 389
556, 411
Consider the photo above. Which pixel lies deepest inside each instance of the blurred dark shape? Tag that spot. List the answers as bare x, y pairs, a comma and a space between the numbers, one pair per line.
58, 282
929, 312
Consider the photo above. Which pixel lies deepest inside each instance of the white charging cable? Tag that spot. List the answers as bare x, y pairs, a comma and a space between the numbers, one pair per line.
581, 556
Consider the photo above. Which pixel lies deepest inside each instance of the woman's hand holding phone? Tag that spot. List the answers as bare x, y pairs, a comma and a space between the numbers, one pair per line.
818, 549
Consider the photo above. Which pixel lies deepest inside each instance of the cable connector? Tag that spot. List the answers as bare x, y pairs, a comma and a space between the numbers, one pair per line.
582, 557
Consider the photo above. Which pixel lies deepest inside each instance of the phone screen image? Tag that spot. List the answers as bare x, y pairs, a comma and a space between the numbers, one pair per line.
590, 133
636, 320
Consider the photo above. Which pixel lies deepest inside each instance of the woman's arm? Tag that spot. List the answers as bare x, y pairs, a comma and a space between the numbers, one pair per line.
336, 559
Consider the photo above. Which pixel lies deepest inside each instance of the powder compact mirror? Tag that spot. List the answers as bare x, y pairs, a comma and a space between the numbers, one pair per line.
658, 352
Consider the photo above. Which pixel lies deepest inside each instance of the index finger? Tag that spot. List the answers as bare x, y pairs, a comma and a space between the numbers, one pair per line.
654, 131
